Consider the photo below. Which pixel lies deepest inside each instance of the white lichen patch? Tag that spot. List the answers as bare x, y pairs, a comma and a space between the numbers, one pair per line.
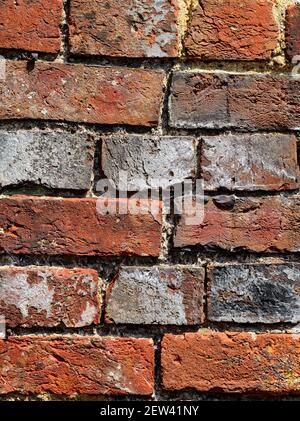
16, 290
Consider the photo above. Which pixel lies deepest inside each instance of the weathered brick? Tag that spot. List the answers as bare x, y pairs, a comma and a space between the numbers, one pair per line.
250, 162
132, 28
232, 30
242, 101
256, 224
31, 225
47, 296
259, 293
149, 161
231, 362
156, 295
76, 365
292, 30
50, 159
74, 92
31, 25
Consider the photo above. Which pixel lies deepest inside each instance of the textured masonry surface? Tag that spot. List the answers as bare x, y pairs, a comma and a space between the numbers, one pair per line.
105, 297
34, 157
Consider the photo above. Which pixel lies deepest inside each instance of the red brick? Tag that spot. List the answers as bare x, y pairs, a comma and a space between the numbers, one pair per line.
76, 365
144, 28
231, 362
256, 224
31, 225
232, 30
292, 28
47, 296
31, 25
74, 92
230, 100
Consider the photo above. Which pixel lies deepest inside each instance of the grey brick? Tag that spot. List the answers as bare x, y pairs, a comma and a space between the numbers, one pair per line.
250, 162
259, 293
172, 159
49, 159
156, 295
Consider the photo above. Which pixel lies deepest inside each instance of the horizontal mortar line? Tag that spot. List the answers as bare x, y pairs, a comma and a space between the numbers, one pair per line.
42, 192
155, 331
163, 63
188, 395
99, 129
176, 257
70, 126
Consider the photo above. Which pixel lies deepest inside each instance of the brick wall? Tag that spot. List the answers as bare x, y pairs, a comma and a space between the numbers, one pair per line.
145, 304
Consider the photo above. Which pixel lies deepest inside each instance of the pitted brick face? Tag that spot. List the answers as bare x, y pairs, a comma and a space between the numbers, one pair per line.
156, 295
46, 297
250, 162
292, 33
148, 161
253, 224
216, 100
232, 30
30, 225
31, 25
103, 365
231, 362
58, 160
131, 28
78, 93
259, 293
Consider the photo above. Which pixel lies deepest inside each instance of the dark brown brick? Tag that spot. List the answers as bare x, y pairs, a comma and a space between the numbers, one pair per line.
241, 101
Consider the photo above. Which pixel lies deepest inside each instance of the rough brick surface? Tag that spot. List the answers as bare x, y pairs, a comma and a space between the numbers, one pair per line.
132, 28
292, 34
74, 92
75, 227
149, 161
224, 100
46, 296
232, 30
250, 162
231, 362
31, 25
156, 295
50, 159
262, 293
76, 365
256, 224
